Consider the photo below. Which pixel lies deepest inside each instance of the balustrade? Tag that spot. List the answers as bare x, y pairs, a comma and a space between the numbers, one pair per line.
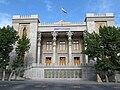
63, 73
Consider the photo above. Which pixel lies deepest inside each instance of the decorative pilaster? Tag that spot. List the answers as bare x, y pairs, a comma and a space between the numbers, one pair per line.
70, 46
54, 34
39, 45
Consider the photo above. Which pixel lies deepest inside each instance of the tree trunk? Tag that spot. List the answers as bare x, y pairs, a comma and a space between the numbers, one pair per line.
107, 80
3, 75
9, 79
15, 76
115, 77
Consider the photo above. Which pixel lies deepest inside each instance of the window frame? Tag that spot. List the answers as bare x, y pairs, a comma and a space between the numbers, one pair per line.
48, 45
62, 45
76, 45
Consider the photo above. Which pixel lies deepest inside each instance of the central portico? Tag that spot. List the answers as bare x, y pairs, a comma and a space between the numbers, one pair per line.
60, 47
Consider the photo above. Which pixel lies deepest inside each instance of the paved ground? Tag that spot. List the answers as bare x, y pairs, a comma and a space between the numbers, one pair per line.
57, 85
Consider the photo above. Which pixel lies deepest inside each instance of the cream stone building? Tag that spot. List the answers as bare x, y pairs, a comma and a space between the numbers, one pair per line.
55, 51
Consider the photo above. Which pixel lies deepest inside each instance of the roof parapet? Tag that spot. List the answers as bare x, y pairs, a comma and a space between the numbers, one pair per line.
99, 15
62, 24
25, 17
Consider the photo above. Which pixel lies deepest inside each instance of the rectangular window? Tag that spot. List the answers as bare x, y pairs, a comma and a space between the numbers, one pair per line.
76, 45
49, 46
62, 45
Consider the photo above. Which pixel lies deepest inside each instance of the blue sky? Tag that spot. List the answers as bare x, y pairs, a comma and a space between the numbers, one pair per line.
50, 10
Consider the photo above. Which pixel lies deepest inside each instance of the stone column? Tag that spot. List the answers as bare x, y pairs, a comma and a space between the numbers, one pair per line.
85, 56
70, 46
54, 34
39, 45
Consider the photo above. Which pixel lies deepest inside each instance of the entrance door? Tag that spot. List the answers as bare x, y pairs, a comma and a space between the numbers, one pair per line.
48, 60
62, 60
76, 60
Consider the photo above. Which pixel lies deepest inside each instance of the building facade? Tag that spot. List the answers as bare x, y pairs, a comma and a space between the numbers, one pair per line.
55, 51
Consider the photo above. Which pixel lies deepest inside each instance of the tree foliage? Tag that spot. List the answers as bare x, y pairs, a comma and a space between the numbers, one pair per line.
8, 37
23, 46
104, 47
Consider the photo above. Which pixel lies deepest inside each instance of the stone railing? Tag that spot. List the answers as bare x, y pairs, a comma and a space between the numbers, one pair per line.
63, 73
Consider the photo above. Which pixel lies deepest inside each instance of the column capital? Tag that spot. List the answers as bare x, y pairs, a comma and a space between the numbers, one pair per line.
54, 34
39, 36
69, 35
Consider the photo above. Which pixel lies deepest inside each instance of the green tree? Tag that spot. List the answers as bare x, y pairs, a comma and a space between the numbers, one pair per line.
23, 46
8, 37
105, 48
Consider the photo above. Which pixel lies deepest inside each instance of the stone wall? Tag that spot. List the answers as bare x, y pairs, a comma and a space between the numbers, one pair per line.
83, 72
